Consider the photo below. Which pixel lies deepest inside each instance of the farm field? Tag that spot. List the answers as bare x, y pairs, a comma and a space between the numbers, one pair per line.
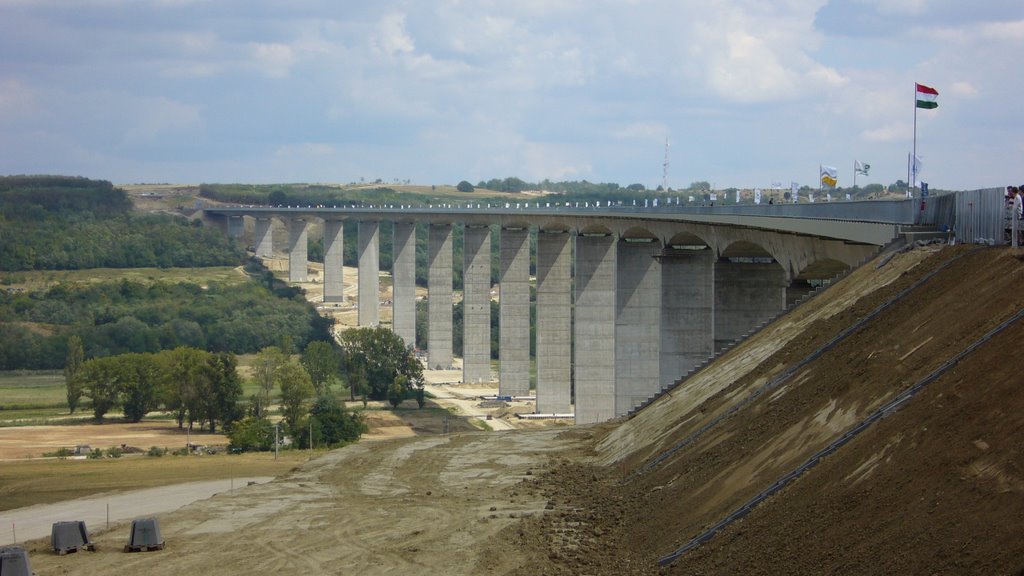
29, 482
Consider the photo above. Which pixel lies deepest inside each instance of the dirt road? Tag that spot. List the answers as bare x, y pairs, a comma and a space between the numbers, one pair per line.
37, 521
421, 505
468, 404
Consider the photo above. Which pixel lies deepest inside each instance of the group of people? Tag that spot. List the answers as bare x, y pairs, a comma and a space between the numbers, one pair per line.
1014, 200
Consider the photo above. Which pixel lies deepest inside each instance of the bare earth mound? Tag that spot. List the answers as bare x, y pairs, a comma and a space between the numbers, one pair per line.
933, 488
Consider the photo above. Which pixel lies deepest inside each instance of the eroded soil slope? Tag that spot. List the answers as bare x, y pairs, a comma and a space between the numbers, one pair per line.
935, 488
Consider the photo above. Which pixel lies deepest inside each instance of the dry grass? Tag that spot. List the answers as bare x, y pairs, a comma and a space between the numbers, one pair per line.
42, 279
29, 482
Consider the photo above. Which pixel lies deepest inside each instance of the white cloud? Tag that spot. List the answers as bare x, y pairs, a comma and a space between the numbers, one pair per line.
641, 131
305, 150
963, 90
16, 99
275, 60
895, 132
391, 37
152, 119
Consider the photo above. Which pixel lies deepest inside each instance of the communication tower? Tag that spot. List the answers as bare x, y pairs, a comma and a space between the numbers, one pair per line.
664, 169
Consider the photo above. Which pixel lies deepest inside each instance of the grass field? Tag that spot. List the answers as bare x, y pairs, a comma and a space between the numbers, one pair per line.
40, 279
40, 397
28, 482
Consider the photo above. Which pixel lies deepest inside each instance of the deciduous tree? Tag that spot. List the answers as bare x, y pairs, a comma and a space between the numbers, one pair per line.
382, 356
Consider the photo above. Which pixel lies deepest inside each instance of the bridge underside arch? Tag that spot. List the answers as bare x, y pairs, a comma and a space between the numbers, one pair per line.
749, 290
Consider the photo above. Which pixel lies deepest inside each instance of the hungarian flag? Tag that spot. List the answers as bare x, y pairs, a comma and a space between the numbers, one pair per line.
926, 97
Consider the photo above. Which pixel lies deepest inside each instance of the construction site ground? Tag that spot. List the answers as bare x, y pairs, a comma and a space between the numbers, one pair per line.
936, 487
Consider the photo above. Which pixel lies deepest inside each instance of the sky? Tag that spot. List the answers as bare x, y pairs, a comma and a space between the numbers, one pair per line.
746, 93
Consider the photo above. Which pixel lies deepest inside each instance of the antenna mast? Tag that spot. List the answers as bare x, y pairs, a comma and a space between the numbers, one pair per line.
664, 169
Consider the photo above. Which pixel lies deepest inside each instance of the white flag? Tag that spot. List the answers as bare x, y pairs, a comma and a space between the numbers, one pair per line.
757, 195
915, 168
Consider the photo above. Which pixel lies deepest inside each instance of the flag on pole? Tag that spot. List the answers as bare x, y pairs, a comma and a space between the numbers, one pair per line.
915, 168
829, 176
794, 191
861, 167
926, 96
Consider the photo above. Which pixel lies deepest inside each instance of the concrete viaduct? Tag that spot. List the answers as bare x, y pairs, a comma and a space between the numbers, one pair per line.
654, 291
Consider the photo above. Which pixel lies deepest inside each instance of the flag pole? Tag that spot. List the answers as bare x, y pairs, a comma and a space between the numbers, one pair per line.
913, 157
855, 174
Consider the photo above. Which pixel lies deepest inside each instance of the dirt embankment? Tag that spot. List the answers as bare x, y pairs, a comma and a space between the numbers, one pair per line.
934, 488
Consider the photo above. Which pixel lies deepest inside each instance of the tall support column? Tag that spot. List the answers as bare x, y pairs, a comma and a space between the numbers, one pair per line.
514, 322
403, 301
747, 294
476, 304
369, 273
264, 236
236, 226
554, 323
595, 328
334, 244
298, 245
439, 301
637, 324
687, 311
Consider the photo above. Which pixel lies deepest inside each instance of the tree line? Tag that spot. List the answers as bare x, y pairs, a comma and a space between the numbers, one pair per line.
62, 223
204, 389
129, 316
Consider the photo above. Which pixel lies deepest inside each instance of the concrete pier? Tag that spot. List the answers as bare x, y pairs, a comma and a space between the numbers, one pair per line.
514, 322
298, 247
236, 226
747, 294
637, 323
403, 300
439, 296
554, 323
687, 311
595, 328
369, 273
264, 237
476, 304
334, 244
